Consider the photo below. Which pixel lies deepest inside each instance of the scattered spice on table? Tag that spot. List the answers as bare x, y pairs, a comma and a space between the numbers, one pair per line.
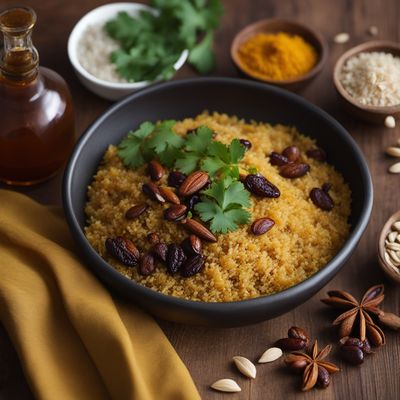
392, 247
277, 56
372, 78
342, 37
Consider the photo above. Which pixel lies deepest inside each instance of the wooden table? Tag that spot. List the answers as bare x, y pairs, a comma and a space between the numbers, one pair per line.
207, 352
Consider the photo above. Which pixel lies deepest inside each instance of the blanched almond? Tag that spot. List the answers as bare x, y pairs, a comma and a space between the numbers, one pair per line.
226, 385
270, 355
245, 366
393, 151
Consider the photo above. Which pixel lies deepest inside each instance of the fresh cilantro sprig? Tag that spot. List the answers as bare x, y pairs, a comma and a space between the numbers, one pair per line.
150, 142
223, 205
151, 43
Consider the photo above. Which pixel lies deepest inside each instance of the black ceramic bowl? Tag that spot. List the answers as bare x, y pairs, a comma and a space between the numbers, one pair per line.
186, 98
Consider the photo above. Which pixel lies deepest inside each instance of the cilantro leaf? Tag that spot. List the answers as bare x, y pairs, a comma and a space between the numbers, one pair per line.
236, 151
223, 205
162, 136
187, 162
129, 150
212, 165
202, 56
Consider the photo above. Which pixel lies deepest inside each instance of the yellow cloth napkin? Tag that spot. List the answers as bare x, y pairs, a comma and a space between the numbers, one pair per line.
74, 341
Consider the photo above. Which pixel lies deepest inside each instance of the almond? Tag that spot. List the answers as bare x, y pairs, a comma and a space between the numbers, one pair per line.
271, 354
135, 211
156, 170
200, 230
292, 153
153, 191
193, 183
169, 195
245, 366
262, 225
294, 170
175, 213
226, 385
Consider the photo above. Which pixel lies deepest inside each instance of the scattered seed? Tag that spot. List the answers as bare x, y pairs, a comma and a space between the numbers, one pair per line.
394, 256
393, 151
392, 236
245, 366
373, 30
342, 37
390, 122
226, 385
396, 226
272, 354
395, 168
393, 246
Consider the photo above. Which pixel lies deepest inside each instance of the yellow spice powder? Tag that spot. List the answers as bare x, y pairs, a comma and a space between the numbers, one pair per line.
277, 56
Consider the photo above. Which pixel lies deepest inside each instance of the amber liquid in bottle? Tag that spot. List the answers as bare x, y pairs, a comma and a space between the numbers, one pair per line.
36, 113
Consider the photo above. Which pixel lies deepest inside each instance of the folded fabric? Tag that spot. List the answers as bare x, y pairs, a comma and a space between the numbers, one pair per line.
74, 340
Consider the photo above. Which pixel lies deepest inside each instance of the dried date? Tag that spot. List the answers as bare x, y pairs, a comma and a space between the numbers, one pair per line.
175, 258
192, 266
260, 186
123, 250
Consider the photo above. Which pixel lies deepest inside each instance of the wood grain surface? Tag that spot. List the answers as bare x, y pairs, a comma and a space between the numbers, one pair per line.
208, 352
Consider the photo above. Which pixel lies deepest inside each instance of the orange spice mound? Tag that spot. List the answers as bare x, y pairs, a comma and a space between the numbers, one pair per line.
277, 56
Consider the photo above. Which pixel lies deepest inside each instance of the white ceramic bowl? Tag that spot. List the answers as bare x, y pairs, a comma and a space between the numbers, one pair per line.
103, 88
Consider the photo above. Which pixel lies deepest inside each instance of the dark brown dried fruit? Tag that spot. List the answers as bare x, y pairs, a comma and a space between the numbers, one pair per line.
156, 170
193, 183
298, 333
200, 230
326, 187
147, 264
192, 201
321, 199
294, 170
292, 153
317, 153
176, 178
191, 245
160, 251
260, 186
277, 159
290, 344
175, 212
135, 211
169, 195
246, 144
175, 258
153, 191
192, 266
262, 225
324, 378
123, 250
153, 238
296, 364
352, 354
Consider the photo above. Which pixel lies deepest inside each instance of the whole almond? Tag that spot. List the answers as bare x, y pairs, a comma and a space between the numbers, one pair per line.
294, 170
200, 230
245, 366
262, 225
191, 245
169, 195
321, 199
156, 170
390, 320
393, 151
292, 153
135, 211
226, 385
317, 153
290, 344
193, 183
271, 354
153, 191
395, 168
175, 213
298, 333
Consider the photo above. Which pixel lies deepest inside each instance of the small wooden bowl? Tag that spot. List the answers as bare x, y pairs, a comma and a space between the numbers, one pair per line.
387, 269
374, 114
291, 27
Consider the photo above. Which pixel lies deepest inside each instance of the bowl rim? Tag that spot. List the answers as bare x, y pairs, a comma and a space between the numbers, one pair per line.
82, 24
367, 47
217, 307
381, 247
266, 21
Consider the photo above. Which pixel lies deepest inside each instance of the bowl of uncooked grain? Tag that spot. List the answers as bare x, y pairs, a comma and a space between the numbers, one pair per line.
367, 79
90, 49
208, 210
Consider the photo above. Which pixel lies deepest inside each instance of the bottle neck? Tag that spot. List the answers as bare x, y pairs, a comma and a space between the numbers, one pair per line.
19, 60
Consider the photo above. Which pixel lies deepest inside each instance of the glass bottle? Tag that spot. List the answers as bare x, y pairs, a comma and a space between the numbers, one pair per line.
36, 112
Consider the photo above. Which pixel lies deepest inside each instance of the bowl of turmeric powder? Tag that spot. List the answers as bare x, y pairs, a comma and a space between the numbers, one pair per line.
280, 52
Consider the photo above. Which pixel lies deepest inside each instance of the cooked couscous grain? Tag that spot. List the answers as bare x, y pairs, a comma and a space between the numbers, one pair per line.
239, 265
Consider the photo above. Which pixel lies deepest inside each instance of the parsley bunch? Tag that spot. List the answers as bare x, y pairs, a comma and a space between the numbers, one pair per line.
152, 43
224, 203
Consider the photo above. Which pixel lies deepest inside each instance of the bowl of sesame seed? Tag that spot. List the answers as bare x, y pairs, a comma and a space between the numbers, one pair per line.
367, 80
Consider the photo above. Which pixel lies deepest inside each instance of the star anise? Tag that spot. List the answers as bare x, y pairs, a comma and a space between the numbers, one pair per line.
315, 370
358, 314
